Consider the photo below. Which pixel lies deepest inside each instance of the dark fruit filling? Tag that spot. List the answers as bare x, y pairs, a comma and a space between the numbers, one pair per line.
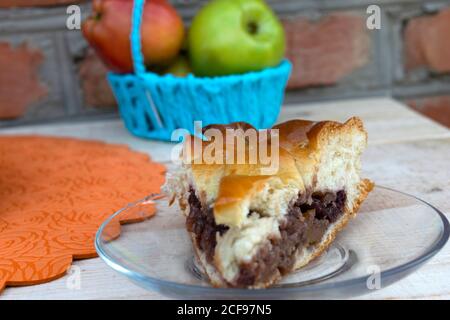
201, 223
305, 224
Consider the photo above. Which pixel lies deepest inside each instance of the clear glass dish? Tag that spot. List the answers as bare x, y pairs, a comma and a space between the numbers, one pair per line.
393, 235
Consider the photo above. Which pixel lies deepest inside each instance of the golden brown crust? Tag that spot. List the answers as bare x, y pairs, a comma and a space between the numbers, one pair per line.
300, 145
232, 190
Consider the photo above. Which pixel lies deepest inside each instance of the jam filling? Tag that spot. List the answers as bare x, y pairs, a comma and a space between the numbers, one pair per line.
305, 224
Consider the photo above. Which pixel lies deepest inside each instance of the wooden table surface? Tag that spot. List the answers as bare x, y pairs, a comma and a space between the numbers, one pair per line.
406, 151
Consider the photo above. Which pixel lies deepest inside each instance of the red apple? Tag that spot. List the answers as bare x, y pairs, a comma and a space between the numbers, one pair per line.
108, 31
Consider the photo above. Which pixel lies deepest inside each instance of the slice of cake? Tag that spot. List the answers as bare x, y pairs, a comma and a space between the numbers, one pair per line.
250, 225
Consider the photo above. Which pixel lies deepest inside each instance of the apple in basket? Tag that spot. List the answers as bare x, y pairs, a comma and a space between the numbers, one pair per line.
180, 67
235, 36
108, 31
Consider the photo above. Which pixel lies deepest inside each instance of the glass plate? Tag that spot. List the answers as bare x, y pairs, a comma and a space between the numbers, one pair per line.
393, 235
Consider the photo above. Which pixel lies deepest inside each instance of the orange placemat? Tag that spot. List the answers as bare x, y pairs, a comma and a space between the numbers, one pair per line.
55, 193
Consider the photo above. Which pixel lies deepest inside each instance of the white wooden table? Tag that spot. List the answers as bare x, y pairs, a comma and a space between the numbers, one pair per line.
406, 151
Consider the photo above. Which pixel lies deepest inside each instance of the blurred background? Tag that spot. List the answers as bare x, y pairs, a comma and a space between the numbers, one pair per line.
48, 73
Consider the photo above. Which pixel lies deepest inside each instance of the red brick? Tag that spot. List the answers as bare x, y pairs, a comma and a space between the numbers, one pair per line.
436, 108
324, 52
19, 79
36, 3
427, 42
96, 90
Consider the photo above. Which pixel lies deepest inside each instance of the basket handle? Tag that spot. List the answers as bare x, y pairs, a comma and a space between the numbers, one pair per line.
135, 37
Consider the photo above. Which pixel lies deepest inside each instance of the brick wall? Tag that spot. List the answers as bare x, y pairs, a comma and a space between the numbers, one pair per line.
36, 3
47, 72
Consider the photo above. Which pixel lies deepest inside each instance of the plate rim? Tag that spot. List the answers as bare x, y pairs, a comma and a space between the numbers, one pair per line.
155, 283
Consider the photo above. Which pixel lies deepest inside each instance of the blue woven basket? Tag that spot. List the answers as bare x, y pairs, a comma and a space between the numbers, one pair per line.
153, 106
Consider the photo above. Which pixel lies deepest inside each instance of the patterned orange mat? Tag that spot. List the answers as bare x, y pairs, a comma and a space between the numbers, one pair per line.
55, 193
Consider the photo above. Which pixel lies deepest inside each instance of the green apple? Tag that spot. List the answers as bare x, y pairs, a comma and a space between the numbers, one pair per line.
180, 67
235, 36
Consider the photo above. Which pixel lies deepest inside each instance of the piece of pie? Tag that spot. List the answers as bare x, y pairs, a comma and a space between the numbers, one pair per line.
251, 226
